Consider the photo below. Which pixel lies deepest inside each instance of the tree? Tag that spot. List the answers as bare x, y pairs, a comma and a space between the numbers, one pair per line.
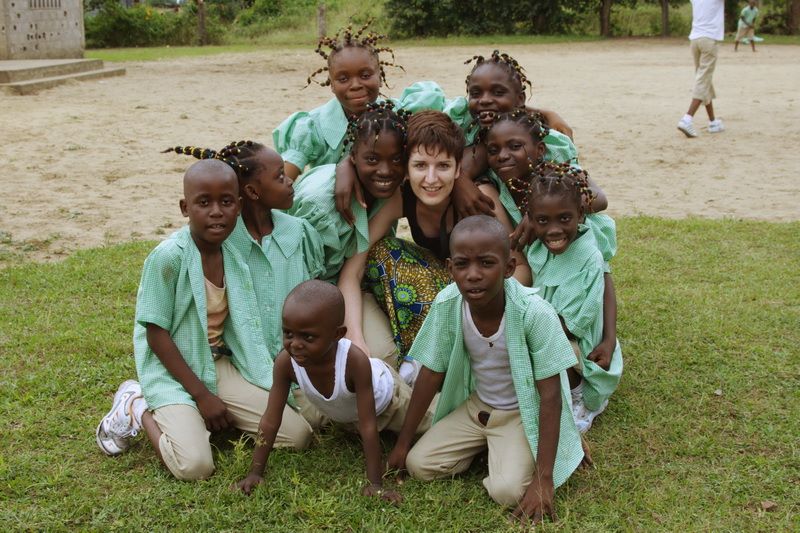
793, 17
605, 18
664, 18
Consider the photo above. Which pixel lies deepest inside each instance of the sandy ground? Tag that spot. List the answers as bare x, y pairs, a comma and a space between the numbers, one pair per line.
81, 162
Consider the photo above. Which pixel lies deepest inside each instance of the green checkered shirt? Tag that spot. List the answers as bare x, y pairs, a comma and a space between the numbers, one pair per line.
537, 349
290, 255
315, 203
172, 296
573, 283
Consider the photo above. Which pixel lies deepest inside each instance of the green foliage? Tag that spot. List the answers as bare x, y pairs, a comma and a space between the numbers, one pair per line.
700, 433
425, 18
266, 15
114, 26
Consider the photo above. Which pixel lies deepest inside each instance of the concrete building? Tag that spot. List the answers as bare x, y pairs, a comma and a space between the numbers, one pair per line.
41, 29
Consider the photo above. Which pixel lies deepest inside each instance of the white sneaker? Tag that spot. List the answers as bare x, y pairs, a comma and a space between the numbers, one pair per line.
687, 127
118, 426
587, 417
577, 404
716, 126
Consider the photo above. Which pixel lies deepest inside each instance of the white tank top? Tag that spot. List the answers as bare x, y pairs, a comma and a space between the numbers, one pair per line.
490, 365
342, 406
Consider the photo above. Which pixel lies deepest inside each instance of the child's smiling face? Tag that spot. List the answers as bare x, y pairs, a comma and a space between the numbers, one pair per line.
270, 187
554, 219
490, 91
355, 78
211, 202
380, 163
511, 151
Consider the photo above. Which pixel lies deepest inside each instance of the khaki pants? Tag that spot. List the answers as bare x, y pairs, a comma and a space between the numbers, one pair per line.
450, 445
184, 442
377, 331
704, 53
394, 415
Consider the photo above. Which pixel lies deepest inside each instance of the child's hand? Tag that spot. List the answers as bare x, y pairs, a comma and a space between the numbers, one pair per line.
469, 200
388, 495
346, 186
214, 412
522, 235
396, 462
601, 355
536, 503
248, 484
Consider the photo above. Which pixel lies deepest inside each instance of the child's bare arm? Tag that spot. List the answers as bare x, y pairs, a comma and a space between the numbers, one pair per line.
426, 386
467, 199
537, 501
602, 352
359, 373
269, 424
346, 186
211, 408
291, 171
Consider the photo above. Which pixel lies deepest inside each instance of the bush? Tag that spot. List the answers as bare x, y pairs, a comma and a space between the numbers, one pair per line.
114, 26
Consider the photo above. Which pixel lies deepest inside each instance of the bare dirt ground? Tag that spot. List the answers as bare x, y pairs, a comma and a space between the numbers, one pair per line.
81, 163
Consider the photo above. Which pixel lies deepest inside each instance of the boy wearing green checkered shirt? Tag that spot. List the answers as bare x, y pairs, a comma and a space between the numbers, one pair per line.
499, 355
203, 365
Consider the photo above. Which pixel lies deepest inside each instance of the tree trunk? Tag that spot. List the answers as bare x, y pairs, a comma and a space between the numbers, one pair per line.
321, 29
665, 18
605, 18
201, 22
793, 18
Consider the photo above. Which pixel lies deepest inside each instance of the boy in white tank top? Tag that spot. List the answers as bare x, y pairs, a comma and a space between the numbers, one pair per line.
337, 378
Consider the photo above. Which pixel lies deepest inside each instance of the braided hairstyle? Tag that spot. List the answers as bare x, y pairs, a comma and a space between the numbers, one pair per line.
379, 117
514, 69
239, 155
560, 179
533, 121
345, 38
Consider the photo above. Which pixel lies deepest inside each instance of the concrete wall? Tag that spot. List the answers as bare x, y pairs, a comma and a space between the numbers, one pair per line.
41, 29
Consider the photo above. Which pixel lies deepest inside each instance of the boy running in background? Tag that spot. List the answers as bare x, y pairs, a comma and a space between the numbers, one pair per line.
747, 25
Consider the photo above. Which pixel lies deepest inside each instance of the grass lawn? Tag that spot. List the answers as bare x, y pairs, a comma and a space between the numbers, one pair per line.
703, 430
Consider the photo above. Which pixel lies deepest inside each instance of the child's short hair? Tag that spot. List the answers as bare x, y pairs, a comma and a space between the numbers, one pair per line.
560, 179
239, 155
485, 224
435, 131
345, 38
320, 297
379, 117
514, 69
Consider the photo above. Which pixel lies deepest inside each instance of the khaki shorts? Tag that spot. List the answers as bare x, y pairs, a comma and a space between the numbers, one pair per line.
704, 53
745, 32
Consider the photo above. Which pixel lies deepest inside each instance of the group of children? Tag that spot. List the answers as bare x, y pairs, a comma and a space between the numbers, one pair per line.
240, 323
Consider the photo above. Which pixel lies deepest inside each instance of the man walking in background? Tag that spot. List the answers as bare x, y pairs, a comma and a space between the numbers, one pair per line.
708, 19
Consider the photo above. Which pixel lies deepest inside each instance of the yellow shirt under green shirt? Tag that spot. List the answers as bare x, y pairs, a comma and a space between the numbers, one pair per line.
172, 296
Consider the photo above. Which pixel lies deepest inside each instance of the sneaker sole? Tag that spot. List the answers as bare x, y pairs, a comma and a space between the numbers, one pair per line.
687, 133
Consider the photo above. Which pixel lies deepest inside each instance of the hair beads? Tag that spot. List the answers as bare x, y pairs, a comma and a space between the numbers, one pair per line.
239, 155
379, 117
345, 38
515, 70
550, 178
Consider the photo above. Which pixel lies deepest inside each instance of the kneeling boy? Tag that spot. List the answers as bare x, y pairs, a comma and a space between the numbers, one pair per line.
500, 356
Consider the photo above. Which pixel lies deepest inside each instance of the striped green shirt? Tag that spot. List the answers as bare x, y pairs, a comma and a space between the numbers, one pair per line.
315, 203
573, 283
314, 138
172, 296
290, 255
537, 349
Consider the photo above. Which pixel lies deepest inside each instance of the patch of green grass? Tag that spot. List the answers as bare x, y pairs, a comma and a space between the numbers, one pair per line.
702, 430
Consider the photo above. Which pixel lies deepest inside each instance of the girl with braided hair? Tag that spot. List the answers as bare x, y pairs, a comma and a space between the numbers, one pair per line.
355, 73
569, 270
